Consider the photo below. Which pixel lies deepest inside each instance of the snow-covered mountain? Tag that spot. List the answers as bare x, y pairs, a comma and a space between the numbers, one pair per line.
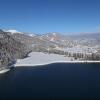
58, 43
13, 31
56, 39
89, 39
92, 39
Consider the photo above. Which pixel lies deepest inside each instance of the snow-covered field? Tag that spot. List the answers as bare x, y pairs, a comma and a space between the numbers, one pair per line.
39, 58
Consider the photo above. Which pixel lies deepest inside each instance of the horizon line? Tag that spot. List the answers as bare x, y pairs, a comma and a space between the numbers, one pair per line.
68, 33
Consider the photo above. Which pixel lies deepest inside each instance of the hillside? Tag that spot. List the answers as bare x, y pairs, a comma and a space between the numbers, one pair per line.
10, 49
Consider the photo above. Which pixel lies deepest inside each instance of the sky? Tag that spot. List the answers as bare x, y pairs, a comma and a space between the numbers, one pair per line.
43, 16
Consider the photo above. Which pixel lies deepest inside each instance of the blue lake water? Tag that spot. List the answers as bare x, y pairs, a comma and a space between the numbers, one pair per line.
52, 82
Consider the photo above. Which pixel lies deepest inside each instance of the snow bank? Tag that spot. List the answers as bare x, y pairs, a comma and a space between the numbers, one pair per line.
4, 71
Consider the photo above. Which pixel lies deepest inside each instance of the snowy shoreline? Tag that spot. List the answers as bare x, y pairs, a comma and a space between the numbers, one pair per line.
33, 65
39, 59
4, 71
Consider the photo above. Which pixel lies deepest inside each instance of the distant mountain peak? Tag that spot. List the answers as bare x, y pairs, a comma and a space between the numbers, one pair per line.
12, 31
32, 35
54, 33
